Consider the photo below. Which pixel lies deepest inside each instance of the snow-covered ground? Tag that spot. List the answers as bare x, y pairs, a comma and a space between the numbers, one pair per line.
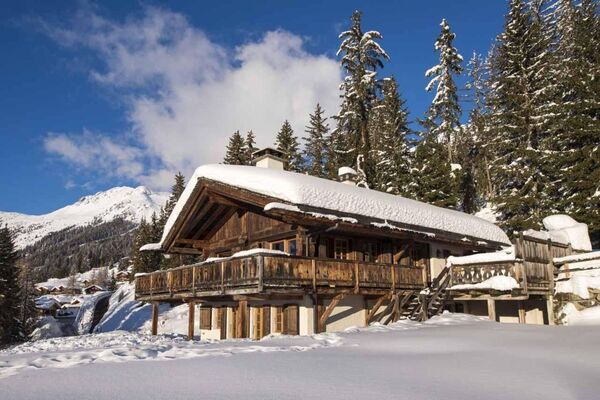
450, 357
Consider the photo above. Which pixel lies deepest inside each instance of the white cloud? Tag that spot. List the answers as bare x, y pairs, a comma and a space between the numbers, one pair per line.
187, 94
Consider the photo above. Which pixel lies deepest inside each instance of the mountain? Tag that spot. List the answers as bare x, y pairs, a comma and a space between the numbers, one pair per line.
124, 203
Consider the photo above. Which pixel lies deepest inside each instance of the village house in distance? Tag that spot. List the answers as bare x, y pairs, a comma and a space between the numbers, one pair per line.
295, 254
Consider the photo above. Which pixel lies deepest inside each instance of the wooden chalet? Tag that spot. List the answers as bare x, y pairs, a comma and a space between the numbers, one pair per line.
294, 254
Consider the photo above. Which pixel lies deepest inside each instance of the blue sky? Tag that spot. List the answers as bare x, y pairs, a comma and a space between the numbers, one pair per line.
125, 93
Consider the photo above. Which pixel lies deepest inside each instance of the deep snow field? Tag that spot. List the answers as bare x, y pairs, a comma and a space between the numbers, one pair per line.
453, 356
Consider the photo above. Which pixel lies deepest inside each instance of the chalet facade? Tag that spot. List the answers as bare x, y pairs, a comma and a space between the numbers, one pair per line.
294, 254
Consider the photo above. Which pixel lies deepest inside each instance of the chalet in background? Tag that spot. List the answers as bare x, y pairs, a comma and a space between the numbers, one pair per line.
295, 254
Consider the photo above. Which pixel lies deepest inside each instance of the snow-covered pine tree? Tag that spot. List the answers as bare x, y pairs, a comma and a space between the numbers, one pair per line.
236, 153
575, 127
361, 57
390, 142
288, 143
434, 181
250, 144
443, 116
477, 88
316, 140
519, 88
176, 190
146, 261
10, 323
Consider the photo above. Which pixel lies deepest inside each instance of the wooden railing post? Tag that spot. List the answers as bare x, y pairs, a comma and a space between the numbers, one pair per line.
151, 285
223, 276
393, 277
193, 280
314, 274
261, 261
356, 283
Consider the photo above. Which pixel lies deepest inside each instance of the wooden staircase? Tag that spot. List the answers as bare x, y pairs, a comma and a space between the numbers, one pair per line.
430, 301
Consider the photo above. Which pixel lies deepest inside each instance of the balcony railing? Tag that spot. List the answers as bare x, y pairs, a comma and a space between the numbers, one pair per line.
261, 272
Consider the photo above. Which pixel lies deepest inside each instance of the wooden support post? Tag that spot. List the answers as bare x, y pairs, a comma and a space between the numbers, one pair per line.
314, 274
522, 319
491, 304
316, 310
261, 265
154, 318
191, 310
241, 318
334, 302
550, 309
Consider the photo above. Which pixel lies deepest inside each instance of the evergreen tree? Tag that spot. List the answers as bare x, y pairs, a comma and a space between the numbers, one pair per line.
434, 180
27, 295
236, 153
391, 144
361, 57
176, 190
146, 261
573, 159
443, 116
288, 143
518, 103
250, 143
11, 329
317, 132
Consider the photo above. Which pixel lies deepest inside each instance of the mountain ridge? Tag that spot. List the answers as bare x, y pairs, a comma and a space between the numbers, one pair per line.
121, 202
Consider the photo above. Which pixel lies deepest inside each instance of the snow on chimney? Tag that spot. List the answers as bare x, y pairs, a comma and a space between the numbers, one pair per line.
269, 158
347, 175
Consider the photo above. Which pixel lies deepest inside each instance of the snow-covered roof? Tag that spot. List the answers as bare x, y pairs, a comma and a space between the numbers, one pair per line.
594, 255
304, 190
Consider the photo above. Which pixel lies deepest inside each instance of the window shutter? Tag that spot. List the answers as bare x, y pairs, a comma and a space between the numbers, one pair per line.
205, 318
279, 319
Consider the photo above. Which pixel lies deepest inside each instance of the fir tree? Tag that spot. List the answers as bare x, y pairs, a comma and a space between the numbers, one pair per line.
434, 180
573, 162
391, 144
236, 153
11, 329
361, 57
176, 190
250, 143
146, 261
317, 132
517, 103
443, 116
288, 143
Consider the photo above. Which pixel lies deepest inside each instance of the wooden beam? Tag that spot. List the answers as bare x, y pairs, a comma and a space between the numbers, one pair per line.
154, 318
491, 304
376, 307
241, 317
191, 310
334, 302
522, 315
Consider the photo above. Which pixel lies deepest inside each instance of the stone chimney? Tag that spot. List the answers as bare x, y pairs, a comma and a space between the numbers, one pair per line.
269, 158
347, 175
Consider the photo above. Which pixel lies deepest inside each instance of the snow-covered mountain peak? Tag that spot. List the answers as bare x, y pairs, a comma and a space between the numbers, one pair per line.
129, 203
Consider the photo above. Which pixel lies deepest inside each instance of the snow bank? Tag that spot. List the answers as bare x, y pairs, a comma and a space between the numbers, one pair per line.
504, 255
49, 327
576, 232
85, 316
587, 316
500, 283
579, 278
304, 190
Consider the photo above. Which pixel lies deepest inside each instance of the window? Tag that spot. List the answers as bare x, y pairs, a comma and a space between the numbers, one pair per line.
292, 247
340, 249
370, 252
278, 246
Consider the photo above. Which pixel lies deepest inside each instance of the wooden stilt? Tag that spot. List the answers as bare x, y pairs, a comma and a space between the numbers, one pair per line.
241, 318
550, 309
154, 318
522, 319
491, 304
191, 310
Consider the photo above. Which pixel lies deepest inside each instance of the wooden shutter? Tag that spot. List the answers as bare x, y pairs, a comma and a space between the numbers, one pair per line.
262, 321
290, 320
279, 319
222, 321
205, 318
266, 320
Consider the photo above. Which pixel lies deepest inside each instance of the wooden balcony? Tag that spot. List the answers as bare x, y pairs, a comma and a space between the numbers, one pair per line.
271, 274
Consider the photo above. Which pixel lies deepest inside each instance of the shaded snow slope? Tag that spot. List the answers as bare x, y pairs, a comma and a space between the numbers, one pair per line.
450, 357
131, 204
299, 189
